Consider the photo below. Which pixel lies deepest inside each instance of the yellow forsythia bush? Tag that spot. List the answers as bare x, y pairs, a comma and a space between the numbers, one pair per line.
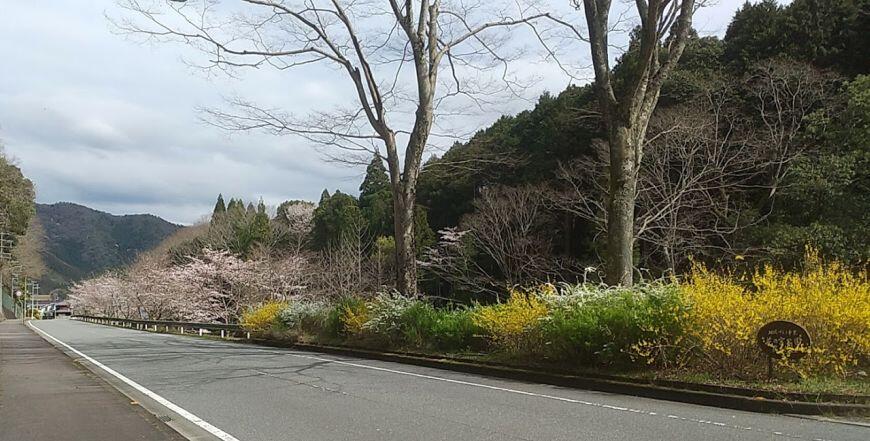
512, 325
354, 316
828, 299
261, 318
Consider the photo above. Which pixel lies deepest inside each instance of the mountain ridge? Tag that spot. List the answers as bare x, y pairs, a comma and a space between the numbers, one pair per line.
80, 241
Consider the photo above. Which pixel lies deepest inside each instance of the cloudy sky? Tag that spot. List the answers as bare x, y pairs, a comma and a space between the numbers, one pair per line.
97, 119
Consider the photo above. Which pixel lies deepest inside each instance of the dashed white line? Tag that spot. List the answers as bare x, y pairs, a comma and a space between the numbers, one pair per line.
533, 394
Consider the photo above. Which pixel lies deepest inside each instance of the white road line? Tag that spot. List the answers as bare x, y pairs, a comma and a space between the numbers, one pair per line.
537, 395
205, 425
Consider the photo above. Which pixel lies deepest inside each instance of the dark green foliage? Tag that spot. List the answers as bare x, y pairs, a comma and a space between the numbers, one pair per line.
261, 227
424, 237
755, 33
376, 199
337, 219
827, 33
825, 201
526, 148
219, 207
16, 198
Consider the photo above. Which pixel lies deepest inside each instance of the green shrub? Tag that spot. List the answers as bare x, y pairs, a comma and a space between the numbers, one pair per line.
304, 316
456, 330
616, 327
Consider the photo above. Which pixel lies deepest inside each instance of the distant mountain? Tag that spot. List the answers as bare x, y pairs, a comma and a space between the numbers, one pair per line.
81, 241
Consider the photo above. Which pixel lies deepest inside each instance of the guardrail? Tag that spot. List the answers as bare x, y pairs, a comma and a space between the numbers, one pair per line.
226, 330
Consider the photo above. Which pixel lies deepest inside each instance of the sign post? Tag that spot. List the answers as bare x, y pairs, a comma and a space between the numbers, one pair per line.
782, 339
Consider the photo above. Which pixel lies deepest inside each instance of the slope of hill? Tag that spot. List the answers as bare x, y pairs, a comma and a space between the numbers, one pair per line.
80, 241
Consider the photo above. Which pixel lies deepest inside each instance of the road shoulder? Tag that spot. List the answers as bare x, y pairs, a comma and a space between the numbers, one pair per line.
45, 395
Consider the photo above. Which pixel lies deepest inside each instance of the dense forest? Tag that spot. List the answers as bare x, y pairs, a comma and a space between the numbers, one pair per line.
758, 148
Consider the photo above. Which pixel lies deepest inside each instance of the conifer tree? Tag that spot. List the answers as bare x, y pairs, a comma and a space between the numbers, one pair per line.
220, 210
261, 227
376, 200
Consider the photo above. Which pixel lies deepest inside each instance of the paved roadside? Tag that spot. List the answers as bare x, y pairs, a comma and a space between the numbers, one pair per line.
45, 395
254, 393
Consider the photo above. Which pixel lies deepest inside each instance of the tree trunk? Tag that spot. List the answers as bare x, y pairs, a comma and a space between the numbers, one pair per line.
406, 261
620, 205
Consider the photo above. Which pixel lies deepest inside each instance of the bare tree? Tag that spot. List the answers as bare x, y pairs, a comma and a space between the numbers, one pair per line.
783, 94
500, 245
626, 109
505, 226
374, 44
703, 159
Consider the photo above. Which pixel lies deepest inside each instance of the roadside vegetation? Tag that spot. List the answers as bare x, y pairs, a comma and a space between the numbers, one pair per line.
703, 325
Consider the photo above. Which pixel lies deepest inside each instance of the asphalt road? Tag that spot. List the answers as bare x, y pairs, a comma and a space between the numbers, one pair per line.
44, 396
256, 393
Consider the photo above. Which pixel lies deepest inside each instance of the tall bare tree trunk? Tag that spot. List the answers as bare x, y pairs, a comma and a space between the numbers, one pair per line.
620, 206
406, 262
626, 111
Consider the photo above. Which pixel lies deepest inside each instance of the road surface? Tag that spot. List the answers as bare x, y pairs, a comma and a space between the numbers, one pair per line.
45, 396
250, 393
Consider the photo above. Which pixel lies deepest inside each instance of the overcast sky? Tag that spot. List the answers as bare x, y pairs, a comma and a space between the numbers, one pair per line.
96, 119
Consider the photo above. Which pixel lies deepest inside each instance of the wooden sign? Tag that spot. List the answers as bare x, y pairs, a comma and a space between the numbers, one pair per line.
781, 338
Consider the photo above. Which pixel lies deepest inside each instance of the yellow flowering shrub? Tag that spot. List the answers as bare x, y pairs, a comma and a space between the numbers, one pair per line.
354, 316
828, 299
513, 325
261, 318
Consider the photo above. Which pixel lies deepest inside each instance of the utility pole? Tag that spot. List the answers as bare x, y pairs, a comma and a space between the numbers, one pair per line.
15, 294
5, 256
25, 296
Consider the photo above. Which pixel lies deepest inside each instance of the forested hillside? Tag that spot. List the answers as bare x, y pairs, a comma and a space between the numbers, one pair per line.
758, 148
80, 242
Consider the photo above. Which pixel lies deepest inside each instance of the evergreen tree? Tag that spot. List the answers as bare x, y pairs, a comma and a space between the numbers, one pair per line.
219, 207
261, 227
376, 199
220, 210
236, 208
755, 33
336, 220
